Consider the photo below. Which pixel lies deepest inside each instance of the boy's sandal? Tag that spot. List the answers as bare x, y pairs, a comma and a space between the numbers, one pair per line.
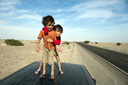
51, 78
61, 72
37, 72
42, 76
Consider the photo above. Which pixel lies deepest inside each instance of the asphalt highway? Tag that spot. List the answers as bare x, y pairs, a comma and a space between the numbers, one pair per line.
117, 59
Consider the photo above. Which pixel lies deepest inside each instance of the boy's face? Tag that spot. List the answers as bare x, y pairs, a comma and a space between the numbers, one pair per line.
58, 33
50, 26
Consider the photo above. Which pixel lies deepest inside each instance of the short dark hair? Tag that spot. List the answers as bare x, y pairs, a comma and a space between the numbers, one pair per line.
59, 27
47, 19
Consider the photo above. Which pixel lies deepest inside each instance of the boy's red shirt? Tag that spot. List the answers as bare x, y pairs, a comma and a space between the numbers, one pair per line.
51, 35
54, 41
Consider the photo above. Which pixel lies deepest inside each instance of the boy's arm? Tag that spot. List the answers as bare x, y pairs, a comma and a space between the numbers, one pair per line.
38, 41
58, 41
54, 41
37, 45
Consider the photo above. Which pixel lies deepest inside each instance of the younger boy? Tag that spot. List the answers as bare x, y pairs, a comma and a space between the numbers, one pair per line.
59, 30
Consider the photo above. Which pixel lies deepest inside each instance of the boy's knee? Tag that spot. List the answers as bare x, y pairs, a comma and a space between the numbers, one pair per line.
51, 63
57, 58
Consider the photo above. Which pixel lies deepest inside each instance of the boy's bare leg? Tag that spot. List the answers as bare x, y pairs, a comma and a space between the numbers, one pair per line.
43, 73
44, 67
52, 70
40, 66
38, 70
58, 62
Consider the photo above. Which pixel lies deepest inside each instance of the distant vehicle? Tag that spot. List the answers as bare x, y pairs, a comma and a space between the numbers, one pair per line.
73, 75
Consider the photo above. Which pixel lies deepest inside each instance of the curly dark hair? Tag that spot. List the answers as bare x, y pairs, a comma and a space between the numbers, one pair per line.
59, 27
47, 19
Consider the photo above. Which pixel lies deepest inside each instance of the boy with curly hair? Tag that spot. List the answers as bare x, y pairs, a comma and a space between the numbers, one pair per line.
48, 49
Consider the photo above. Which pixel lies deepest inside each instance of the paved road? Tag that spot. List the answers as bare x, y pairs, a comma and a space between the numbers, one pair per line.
118, 59
103, 72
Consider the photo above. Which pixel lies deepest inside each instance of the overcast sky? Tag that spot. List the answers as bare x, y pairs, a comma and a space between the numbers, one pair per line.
92, 20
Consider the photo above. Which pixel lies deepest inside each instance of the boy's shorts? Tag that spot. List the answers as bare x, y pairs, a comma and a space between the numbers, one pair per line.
55, 52
48, 56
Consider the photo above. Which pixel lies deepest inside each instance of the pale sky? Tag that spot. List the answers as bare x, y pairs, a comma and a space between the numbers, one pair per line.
82, 20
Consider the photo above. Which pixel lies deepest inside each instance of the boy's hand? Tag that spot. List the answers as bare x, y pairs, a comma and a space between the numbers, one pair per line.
37, 49
49, 40
59, 50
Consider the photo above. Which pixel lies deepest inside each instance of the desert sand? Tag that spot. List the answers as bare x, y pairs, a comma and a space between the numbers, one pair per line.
14, 58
